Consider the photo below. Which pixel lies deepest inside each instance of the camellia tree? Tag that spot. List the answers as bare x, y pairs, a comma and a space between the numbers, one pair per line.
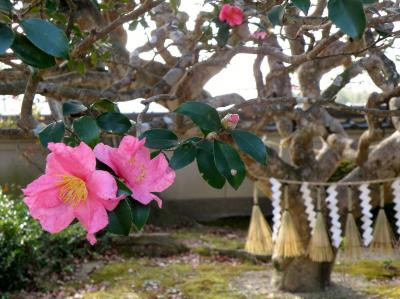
73, 53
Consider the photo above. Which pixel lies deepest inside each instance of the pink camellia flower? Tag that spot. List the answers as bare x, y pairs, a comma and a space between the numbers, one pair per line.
72, 188
231, 14
259, 35
230, 121
131, 162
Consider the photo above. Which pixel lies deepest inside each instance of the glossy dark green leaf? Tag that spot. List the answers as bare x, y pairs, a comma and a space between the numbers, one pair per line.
71, 141
223, 34
54, 132
73, 107
183, 156
229, 163
104, 105
114, 122
123, 189
6, 38
154, 154
30, 54
5, 5
47, 37
251, 145
275, 15
160, 138
303, 5
51, 5
120, 219
203, 115
348, 15
208, 170
140, 214
87, 130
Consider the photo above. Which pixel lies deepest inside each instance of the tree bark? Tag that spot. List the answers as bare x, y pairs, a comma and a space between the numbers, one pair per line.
303, 275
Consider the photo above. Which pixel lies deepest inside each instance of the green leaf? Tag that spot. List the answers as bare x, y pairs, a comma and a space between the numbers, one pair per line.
5, 5
6, 38
123, 189
183, 156
160, 138
369, 1
154, 154
47, 37
133, 25
223, 34
51, 6
275, 15
251, 145
229, 163
71, 141
114, 122
104, 105
348, 15
120, 219
87, 130
175, 4
140, 214
208, 170
73, 107
203, 115
303, 5
54, 132
30, 54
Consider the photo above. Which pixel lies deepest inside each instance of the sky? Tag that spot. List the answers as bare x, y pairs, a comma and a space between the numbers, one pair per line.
237, 77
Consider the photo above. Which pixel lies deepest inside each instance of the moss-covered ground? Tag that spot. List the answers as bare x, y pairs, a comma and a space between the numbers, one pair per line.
204, 274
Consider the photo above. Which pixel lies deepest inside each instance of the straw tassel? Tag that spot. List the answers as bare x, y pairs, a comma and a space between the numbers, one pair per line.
319, 248
259, 237
382, 241
288, 243
352, 240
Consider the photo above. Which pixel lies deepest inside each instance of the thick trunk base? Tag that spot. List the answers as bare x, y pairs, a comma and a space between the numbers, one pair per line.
301, 275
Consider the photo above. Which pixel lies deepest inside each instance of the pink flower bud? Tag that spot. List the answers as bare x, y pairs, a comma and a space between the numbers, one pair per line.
212, 136
259, 35
230, 121
231, 14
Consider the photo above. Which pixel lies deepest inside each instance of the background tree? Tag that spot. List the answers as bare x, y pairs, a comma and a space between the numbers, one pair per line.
79, 54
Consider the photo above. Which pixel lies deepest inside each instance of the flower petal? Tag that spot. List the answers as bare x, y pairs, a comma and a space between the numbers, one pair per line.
78, 161
104, 153
102, 186
54, 219
159, 176
145, 197
92, 215
91, 238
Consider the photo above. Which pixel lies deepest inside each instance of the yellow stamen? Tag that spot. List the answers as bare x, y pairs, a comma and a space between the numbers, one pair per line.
142, 174
72, 190
132, 160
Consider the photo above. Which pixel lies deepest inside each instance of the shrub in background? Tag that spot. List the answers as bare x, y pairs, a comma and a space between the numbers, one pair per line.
27, 253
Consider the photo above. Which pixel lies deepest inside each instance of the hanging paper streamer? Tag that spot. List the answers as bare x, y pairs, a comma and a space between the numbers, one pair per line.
276, 206
396, 200
366, 217
334, 214
308, 202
